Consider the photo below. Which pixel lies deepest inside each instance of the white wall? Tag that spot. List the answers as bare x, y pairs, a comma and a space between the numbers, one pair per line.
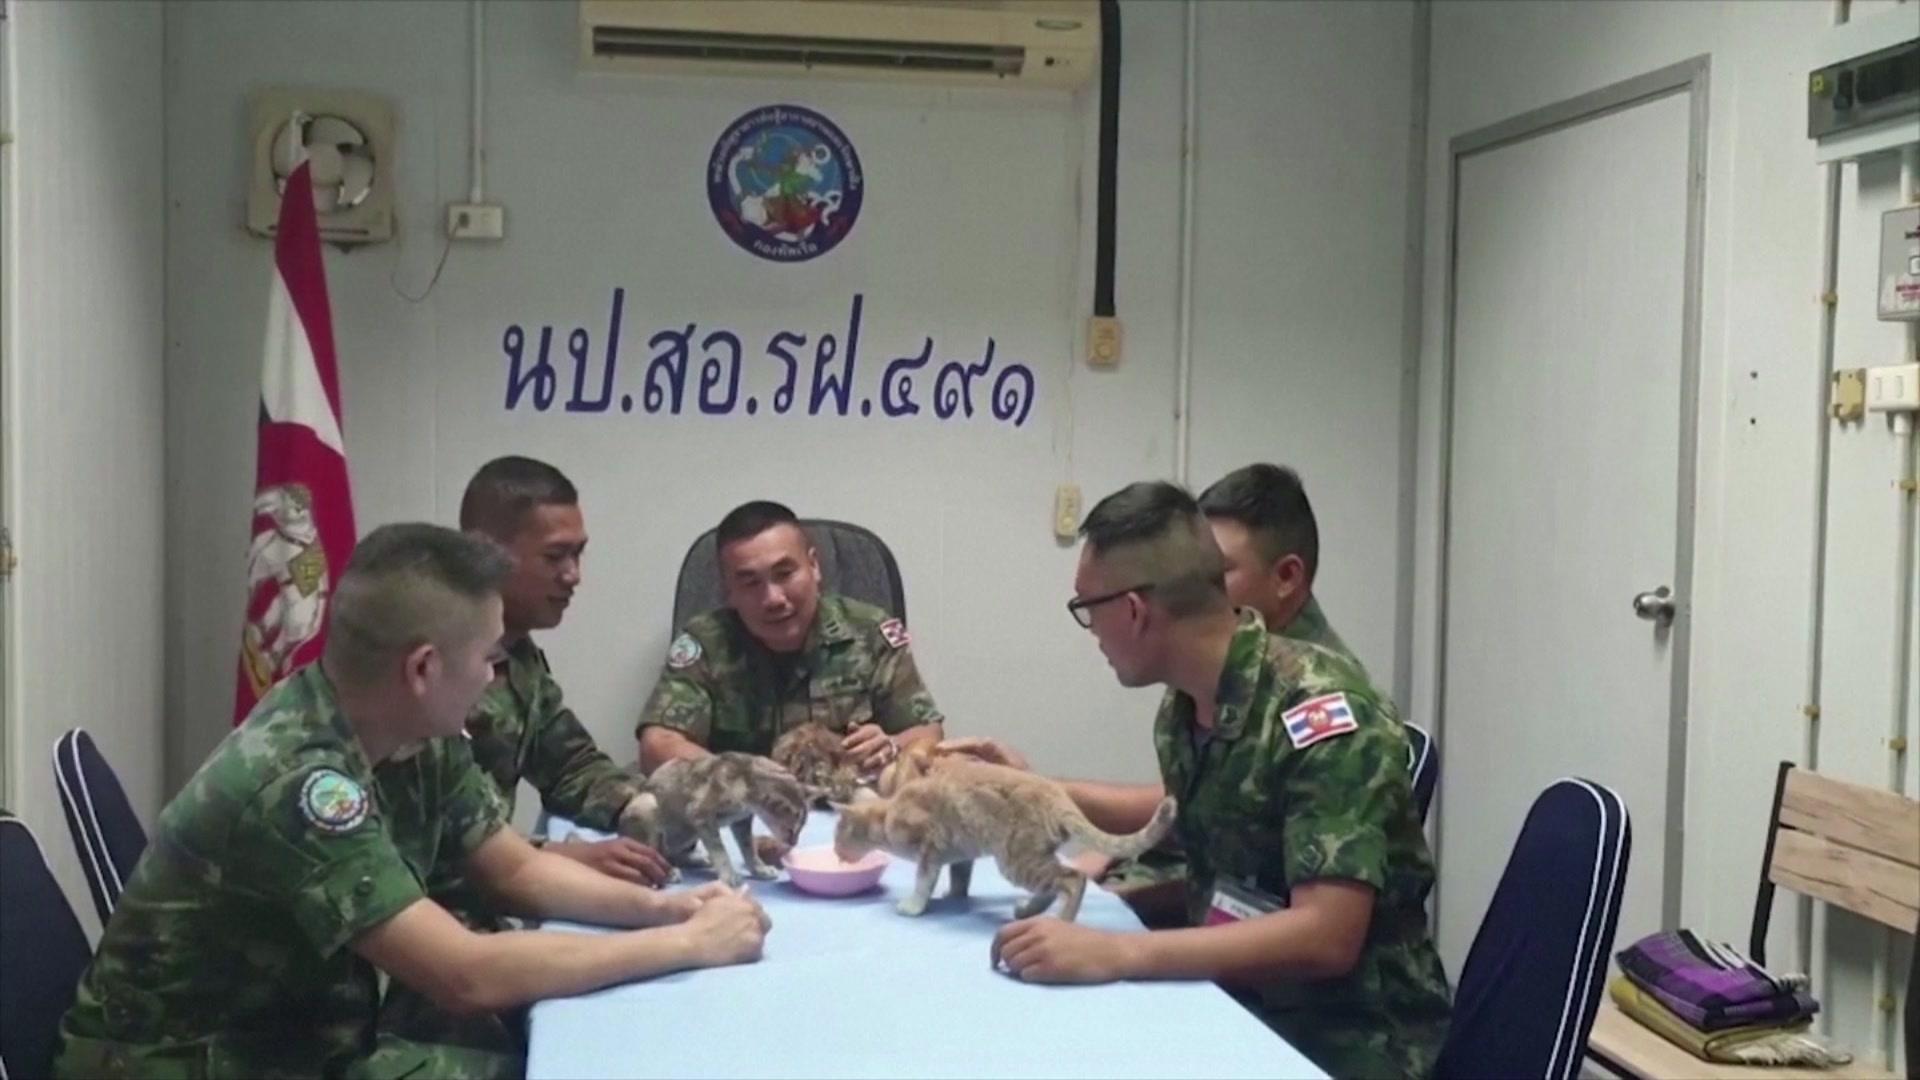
1758, 414
972, 226
85, 483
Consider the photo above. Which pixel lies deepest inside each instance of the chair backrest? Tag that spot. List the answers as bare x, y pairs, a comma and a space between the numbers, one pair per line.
42, 953
1532, 983
853, 562
1423, 764
1850, 845
106, 834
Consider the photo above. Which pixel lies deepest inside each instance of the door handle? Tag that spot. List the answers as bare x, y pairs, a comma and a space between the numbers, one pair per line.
1656, 606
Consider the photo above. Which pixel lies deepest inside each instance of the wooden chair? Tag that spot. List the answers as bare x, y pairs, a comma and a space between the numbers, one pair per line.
1849, 845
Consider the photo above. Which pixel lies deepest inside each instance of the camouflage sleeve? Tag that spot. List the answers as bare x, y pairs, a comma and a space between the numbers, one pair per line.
1341, 795
574, 778
900, 699
471, 810
310, 844
682, 699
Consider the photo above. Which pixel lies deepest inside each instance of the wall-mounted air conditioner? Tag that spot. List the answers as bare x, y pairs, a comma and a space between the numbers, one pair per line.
1032, 43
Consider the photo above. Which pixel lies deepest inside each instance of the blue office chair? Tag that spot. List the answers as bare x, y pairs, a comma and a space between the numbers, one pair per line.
106, 834
42, 953
853, 562
1423, 765
1527, 995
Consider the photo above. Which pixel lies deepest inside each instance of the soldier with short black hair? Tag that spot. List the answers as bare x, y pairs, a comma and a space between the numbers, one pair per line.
287, 875
782, 653
1308, 864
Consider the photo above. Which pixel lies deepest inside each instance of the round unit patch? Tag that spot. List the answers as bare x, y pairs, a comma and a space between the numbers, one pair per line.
683, 652
785, 183
332, 801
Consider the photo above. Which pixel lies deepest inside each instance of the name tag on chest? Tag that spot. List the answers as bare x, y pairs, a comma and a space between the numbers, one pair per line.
1232, 903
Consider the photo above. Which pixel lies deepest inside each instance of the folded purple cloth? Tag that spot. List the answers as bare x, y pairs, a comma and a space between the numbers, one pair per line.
1711, 986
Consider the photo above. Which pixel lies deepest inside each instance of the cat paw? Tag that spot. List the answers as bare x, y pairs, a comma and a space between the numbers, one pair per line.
697, 859
673, 875
911, 906
765, 873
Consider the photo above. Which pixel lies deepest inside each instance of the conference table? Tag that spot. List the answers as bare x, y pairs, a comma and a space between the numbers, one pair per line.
850, 988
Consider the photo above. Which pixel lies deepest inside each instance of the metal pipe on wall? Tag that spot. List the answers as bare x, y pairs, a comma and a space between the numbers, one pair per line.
1813, 958
1183, 367
1883, 1028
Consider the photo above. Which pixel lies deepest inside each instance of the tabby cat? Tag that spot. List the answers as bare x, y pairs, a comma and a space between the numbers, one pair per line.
689, 801
812, 754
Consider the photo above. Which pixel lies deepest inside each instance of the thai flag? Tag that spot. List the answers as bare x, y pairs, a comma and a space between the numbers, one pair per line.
1319, 718
302, 508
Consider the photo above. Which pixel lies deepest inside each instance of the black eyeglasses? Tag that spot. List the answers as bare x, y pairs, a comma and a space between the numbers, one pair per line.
1081, 609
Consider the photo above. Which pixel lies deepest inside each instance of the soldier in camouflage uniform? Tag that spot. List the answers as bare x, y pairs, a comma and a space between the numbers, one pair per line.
780, 654
1264, 525
286, 875
1296, 809
522, 728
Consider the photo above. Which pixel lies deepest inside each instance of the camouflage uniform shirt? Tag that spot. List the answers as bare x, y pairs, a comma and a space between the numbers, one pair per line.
1269, 806
228, 954
1310, 625
726, 691
1164, 862
521, 730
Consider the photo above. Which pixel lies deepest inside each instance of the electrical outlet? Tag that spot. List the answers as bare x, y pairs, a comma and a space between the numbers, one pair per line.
1893, 389
1104, 342
1066, 511
476, 221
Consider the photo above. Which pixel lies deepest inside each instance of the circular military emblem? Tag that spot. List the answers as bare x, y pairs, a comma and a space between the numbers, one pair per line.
332, 801
785, 183
683, 652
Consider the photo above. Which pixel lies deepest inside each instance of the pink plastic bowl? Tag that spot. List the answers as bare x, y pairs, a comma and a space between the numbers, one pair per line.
819, 871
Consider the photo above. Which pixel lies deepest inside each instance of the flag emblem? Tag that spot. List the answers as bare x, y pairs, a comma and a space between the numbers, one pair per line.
1318, 718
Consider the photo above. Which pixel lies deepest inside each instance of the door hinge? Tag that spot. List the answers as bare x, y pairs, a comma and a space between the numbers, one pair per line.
8, 560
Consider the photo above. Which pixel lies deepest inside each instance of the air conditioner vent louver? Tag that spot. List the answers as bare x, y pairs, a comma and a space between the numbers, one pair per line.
1041, 44
808, 52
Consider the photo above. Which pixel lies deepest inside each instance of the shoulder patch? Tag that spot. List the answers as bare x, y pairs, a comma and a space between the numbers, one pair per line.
683, 652
332, 801
1317, 719
895, 632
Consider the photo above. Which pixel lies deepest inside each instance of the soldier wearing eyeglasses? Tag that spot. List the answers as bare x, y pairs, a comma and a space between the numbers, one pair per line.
1308, 864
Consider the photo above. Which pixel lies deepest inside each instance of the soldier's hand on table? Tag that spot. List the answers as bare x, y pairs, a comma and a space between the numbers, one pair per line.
728, 928
1046, 950
992, 751
682, 905
621, 857
869, 747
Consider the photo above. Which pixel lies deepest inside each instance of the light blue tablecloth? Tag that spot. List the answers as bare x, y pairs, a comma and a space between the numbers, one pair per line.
850, 988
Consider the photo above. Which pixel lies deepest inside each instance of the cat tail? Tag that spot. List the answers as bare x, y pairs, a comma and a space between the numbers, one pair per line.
1128, 846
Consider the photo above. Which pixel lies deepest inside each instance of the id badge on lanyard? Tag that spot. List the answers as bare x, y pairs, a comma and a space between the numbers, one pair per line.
1233, 902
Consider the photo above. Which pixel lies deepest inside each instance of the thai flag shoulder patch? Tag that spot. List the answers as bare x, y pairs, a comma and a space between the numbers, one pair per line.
1318, 719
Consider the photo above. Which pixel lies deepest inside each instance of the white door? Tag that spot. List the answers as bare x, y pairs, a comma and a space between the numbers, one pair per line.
1565, 500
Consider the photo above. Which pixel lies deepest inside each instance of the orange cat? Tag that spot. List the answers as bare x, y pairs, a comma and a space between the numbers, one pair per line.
950, 810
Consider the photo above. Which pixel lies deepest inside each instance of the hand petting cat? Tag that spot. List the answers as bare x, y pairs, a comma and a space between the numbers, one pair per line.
1046, 950
620, 857
991, 751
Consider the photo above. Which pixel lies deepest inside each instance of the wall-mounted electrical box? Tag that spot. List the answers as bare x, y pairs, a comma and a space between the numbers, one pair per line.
1864, 97
1900, 264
